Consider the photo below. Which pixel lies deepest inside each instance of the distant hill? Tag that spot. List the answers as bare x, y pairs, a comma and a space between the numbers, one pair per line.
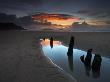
10, 26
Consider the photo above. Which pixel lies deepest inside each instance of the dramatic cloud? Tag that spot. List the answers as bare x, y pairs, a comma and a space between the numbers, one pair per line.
58, 19
96, 9
28, 6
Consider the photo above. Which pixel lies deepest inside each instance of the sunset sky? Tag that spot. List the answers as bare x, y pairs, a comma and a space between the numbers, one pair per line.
57, 19
94, 12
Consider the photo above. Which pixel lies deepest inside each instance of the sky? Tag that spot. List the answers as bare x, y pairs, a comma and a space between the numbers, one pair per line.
55, 19
96, 12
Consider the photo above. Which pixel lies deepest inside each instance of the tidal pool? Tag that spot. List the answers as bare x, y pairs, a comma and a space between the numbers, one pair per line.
82, 65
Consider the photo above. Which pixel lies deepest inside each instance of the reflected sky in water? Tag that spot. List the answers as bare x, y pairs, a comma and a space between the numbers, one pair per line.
57, 52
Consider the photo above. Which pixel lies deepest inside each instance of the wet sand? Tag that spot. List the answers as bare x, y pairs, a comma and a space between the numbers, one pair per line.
22, 60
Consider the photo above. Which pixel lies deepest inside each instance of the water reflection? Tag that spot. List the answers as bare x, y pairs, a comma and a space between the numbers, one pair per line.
47, 42
87, 61
51, 42
70, 53
70, 62
77, 62
96, 64
71, 45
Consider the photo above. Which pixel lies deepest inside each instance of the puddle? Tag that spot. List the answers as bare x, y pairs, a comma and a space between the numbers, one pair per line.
82, 65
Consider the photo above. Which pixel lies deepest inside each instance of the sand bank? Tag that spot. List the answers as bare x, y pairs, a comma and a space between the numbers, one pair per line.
21, 60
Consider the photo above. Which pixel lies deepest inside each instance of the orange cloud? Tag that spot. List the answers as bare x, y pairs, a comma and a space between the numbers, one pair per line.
58, 19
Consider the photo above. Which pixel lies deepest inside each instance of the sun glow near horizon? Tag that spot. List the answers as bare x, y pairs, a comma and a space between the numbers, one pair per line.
63, 22
56, 19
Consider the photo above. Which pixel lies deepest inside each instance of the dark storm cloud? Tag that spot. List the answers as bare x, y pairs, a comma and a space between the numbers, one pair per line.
95, 14
107, 22
83, 12
22, 1
28, 6
87, 7
19, 7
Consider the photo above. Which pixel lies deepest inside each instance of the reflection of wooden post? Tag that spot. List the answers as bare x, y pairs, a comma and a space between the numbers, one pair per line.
87, 62
70, 62
51, 42
44, 39
96, 64
71, 45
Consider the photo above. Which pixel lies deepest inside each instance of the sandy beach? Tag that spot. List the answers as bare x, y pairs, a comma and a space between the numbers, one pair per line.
22, 60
